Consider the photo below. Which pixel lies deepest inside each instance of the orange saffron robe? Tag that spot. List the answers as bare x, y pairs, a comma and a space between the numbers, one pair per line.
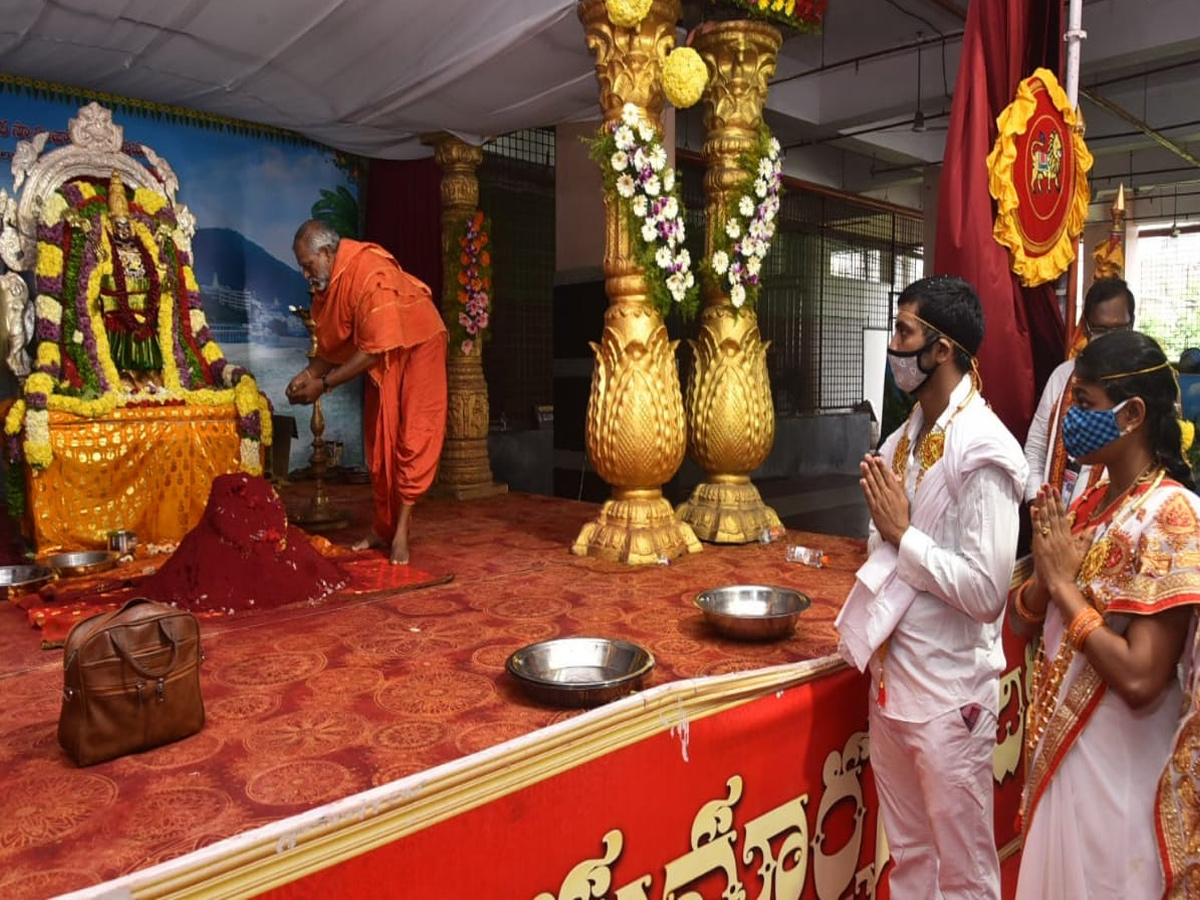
373, 305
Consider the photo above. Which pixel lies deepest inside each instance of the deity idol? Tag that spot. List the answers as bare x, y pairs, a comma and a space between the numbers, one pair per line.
130, 296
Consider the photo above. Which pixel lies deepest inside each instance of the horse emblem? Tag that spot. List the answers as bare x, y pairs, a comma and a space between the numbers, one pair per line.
1046, 163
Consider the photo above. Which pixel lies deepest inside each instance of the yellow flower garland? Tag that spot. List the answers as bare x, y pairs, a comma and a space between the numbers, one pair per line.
627, 13
684, 77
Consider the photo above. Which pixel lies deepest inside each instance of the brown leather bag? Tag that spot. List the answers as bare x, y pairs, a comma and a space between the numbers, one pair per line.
131, 681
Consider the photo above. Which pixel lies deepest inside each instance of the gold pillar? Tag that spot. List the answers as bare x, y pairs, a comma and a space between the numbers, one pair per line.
731, 417
634, 432
464, 471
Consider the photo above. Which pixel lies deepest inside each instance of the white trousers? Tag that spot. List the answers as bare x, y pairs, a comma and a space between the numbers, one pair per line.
936, 795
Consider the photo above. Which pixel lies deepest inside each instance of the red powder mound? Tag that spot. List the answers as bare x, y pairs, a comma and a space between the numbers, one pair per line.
242, 555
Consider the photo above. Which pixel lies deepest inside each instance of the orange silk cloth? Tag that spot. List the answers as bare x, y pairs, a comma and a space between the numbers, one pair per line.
147, 470
372, 305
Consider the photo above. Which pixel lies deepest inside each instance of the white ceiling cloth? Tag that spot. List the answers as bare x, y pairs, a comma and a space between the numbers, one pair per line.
364, 76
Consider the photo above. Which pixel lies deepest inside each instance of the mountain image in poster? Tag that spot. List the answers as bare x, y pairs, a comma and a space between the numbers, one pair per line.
245, 290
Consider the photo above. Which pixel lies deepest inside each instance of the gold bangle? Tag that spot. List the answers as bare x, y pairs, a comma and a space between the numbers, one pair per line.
1085, 622
1022, 610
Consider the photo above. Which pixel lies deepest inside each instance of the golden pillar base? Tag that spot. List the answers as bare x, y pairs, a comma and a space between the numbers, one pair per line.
636, 528
729, 511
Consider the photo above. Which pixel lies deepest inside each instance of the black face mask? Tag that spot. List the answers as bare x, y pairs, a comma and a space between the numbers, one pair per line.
907, 370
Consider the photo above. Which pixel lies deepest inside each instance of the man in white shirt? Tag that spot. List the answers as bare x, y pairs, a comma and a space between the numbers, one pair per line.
925, 612
1108, 306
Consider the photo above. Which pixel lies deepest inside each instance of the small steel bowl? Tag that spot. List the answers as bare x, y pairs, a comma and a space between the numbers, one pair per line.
17, 580
81, 562
753, 612
122, 542
581, 671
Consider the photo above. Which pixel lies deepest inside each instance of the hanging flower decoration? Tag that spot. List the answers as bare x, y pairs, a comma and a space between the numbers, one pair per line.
803, 15
740, 248
470, 271
627, 13
634, 163
73, 367
684, 77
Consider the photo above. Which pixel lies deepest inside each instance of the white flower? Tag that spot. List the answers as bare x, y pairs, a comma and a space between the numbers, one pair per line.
773, 147
690, 279
760, 189
720, 262
196, 317
640, 161
626, 186
649, 232
646, 132
684, 258
668, 180
733, 229
670, 208
737, 296
77, 336
765, 169
754, 265
630, 114
662, 256
619, 161
652, 186
746, 205
640, 206
680, 232
48, 308
658, 158
624, 138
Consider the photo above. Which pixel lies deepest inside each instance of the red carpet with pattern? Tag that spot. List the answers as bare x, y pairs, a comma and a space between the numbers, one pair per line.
312, 702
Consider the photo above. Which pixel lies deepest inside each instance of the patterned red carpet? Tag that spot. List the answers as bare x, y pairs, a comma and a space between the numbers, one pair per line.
313, 702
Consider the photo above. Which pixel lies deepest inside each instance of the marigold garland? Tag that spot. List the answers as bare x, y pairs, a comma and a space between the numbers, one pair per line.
627, 13
684, 77
470, 271
634, 164
741, 246
73, 367
802, 15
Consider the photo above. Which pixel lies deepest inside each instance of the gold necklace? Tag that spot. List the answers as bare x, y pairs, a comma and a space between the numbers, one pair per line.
1048, 676
929, 449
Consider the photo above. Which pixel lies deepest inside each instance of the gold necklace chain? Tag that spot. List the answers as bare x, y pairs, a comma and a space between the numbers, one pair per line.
1048, 676
929, 449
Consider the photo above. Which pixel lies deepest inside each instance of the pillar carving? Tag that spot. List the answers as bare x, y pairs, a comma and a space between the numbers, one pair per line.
730, 414
635, 424
464, 471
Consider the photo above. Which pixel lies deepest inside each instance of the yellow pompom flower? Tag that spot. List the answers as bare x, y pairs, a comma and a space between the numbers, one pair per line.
149, 201
48, 356
627, 13
1188, 432
15, 420
684, 77
49, 260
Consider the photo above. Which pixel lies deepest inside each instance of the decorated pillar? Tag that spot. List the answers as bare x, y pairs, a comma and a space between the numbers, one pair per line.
635, 425
464, 471
730, 413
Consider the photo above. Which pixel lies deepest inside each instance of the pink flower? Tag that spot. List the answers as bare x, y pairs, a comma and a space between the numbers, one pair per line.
464, 319
467, 347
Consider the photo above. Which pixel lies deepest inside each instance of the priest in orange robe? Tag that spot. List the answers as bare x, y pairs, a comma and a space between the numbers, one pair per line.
372, 318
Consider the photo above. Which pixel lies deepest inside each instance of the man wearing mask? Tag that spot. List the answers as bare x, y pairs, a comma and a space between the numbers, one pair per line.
1108, 306
925, 612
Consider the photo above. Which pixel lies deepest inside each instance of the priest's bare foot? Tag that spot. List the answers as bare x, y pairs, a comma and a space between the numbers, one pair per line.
371, 542
400, 541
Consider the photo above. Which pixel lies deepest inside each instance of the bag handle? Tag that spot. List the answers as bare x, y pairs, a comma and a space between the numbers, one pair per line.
136, 666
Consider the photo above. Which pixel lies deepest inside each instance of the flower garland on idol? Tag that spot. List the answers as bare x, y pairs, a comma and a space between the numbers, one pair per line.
470, 270
634, 163
73, 367
739, 249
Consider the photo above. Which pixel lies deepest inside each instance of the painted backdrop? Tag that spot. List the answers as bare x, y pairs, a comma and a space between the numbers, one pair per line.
249, 189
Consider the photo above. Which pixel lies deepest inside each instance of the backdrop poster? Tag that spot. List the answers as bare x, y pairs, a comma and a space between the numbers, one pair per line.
249, 189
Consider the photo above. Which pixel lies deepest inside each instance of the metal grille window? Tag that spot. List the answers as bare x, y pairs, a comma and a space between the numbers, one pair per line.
516, 191
835, 268
1168, 291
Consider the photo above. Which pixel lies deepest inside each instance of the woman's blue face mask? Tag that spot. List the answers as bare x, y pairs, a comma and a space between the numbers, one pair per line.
1085, 431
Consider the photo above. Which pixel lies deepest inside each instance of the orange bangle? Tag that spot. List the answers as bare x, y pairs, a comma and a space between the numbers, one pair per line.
1022, 610
1085, 622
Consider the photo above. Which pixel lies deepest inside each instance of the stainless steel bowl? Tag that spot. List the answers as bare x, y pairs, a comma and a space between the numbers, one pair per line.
17, 580
582, 671
122, 542
753, 612
81, 562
